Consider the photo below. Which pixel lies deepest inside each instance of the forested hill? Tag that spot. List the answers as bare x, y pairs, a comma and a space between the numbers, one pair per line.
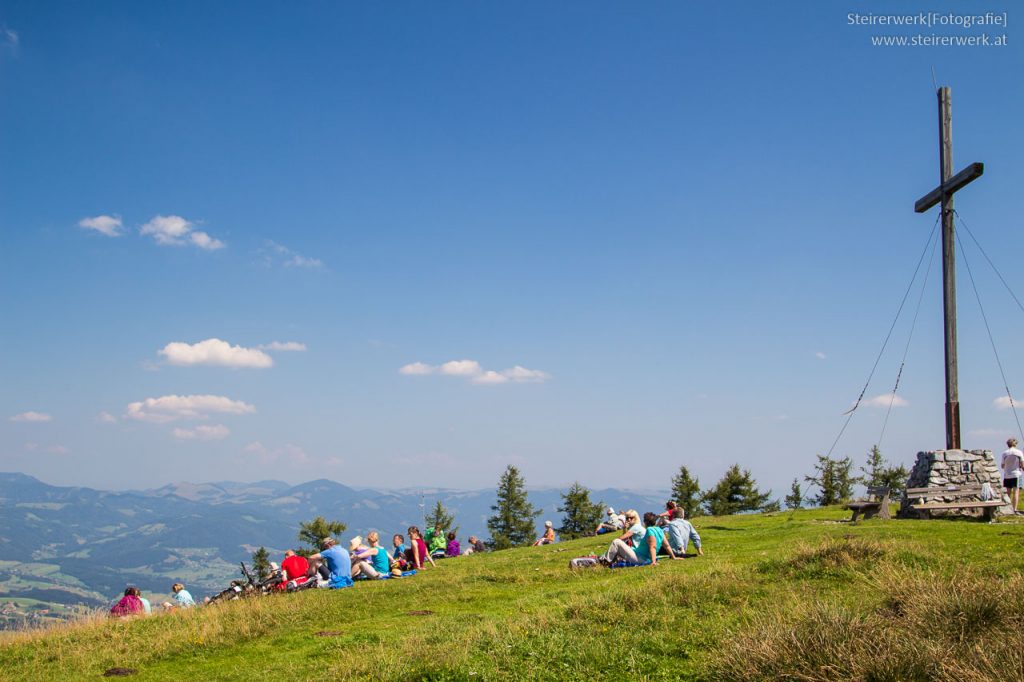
71, 545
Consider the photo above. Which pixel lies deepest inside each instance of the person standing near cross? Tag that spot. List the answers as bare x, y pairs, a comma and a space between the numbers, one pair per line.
1012, 465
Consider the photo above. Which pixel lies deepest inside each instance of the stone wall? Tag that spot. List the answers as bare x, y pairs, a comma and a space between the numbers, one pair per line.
955, 467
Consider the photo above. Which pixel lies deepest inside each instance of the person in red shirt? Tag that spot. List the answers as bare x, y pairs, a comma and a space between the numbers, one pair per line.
294, 569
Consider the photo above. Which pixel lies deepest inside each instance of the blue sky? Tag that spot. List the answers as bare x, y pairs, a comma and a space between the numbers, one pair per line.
688, 226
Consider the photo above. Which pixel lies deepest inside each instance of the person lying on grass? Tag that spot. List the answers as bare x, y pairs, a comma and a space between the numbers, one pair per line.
613, 523
680, 532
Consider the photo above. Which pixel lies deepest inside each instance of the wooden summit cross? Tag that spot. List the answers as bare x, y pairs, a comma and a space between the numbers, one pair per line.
949, 184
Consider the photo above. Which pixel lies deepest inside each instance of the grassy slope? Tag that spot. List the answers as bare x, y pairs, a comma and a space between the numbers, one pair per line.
523, 613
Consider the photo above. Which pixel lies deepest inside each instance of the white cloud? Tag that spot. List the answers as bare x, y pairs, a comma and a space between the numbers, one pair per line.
106, 418
283, 346
58, 450
32, 417
280, 254
173, 230
203, 432
205, 241
417, 369
104, 224
31, 447
173, 407
215, 352
11, 38
820, 355
490, 377
461, 368
472, 370
526, 376
298, 261
1003, 403
884, 400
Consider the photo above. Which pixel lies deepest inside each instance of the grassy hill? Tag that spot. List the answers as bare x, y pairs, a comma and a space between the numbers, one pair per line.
783, 596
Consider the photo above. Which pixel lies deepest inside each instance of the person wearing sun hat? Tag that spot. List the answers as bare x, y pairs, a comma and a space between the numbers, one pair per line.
615, 522
548, 537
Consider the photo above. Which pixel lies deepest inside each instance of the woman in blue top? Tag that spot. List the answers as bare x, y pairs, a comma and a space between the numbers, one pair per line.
622, 547
654, 539
370, 562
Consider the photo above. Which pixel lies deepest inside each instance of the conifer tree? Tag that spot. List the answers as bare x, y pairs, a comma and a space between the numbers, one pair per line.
795, 498
440, 516
834, 480
581, 516
686, 492
878, 474
513, 522
261, 563
735, 492
312, 532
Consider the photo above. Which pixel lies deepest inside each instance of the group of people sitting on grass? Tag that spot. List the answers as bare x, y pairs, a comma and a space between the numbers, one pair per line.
133, 603
334, 566
637, 543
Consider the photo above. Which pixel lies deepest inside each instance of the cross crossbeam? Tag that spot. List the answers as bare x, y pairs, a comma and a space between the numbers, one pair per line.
953, 185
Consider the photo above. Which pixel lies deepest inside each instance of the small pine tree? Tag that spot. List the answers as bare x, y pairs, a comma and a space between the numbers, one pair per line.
581, 516
440, 516
834, 479
261, 563
875, 465
735, 492
312, 532
795, 498
513, 522
686, 492
878, 474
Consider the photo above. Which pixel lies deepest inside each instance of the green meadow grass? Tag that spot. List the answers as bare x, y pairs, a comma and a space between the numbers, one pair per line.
793, 595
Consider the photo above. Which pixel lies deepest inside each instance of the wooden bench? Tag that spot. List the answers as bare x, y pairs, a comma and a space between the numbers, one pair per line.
963, 497
877, 503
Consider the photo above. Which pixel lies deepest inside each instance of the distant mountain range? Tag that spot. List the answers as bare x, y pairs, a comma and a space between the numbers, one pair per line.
62, 546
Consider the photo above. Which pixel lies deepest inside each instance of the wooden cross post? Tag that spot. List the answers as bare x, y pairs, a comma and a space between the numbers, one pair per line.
949, 184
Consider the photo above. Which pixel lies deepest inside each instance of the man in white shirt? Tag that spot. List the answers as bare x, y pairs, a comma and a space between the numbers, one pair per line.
1012, 466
